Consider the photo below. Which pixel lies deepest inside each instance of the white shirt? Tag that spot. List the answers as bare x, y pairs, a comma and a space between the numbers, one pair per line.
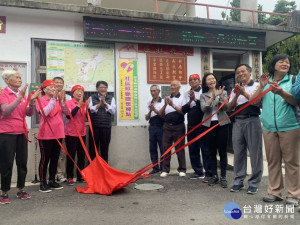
250, 89
177, 101
157, 105
111, 108
186, 97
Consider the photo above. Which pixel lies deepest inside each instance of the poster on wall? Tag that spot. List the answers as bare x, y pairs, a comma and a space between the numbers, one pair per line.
81, 63
20, 67
128, 78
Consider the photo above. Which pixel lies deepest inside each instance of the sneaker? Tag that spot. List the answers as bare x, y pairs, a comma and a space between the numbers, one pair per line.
70, 182
45, 188
236, 188
195, 176
4, 199
206, 179
271, 198
61, 179
23, 195
182, 174
292, 201
80, 180
154, 171
213, 181
223, 182
252, 190
55, 186
164, 174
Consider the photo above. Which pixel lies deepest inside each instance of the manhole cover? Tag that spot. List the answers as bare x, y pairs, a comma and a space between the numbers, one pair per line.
148, 187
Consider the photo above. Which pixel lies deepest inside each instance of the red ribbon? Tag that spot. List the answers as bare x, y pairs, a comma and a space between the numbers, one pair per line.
78, 133
24, 116
162, 158
47, 122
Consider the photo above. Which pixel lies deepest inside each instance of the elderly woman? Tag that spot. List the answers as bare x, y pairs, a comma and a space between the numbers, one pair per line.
281, 131
78, 112
49, 147
13, 143
212, 97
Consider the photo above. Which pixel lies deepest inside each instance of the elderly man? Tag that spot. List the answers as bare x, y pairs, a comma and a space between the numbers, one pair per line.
246, 133
156, 126
194, 115
102, 106
173, 128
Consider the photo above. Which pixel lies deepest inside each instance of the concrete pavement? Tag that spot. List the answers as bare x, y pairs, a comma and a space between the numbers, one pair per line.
181, 201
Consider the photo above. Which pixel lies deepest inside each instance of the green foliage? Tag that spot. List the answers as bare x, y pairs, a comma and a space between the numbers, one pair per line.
282, 6
235, 15
289, 46
261, 16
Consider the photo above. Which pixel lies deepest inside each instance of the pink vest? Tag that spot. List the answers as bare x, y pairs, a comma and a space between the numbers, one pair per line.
79, 119
14, 122
54, 118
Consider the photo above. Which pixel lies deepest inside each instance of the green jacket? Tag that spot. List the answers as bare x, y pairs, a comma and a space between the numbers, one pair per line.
277, 114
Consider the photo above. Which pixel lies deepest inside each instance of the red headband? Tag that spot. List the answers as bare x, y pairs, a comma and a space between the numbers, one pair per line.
47, 83
77, 87
194, 76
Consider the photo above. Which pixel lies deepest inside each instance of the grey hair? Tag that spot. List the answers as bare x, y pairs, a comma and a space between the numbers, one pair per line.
178, 82
154, 85
7, 74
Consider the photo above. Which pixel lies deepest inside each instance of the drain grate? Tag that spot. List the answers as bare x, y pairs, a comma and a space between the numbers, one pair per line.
148, 187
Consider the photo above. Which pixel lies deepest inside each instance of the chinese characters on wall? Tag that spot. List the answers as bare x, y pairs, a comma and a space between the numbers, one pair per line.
205, 61
162, 69
129, 109
256, 66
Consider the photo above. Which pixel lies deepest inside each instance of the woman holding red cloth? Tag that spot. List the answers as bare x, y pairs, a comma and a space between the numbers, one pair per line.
78, 112
13, 132
49, 106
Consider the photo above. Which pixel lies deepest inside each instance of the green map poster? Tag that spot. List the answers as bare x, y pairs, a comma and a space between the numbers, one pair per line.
81, 63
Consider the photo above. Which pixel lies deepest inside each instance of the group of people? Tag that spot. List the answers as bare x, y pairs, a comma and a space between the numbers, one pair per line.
274, 117
206, 102
51, 104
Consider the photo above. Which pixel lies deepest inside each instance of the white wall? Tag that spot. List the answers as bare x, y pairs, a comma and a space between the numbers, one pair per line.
129, 146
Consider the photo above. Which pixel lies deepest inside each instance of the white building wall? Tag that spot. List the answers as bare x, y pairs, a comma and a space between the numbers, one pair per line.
129, 145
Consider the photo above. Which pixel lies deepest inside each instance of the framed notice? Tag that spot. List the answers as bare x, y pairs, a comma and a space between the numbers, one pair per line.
20, 67
162, 69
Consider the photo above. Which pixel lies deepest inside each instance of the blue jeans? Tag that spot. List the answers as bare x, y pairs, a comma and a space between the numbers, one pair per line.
194, 152
155, 138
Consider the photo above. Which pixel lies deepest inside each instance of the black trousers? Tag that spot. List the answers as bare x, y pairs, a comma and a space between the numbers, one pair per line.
217, 141
50, 150
74, 146
102, 140
13, 146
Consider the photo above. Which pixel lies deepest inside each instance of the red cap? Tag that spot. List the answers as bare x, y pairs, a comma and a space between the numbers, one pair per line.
194, 76
77, 87
47, 83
